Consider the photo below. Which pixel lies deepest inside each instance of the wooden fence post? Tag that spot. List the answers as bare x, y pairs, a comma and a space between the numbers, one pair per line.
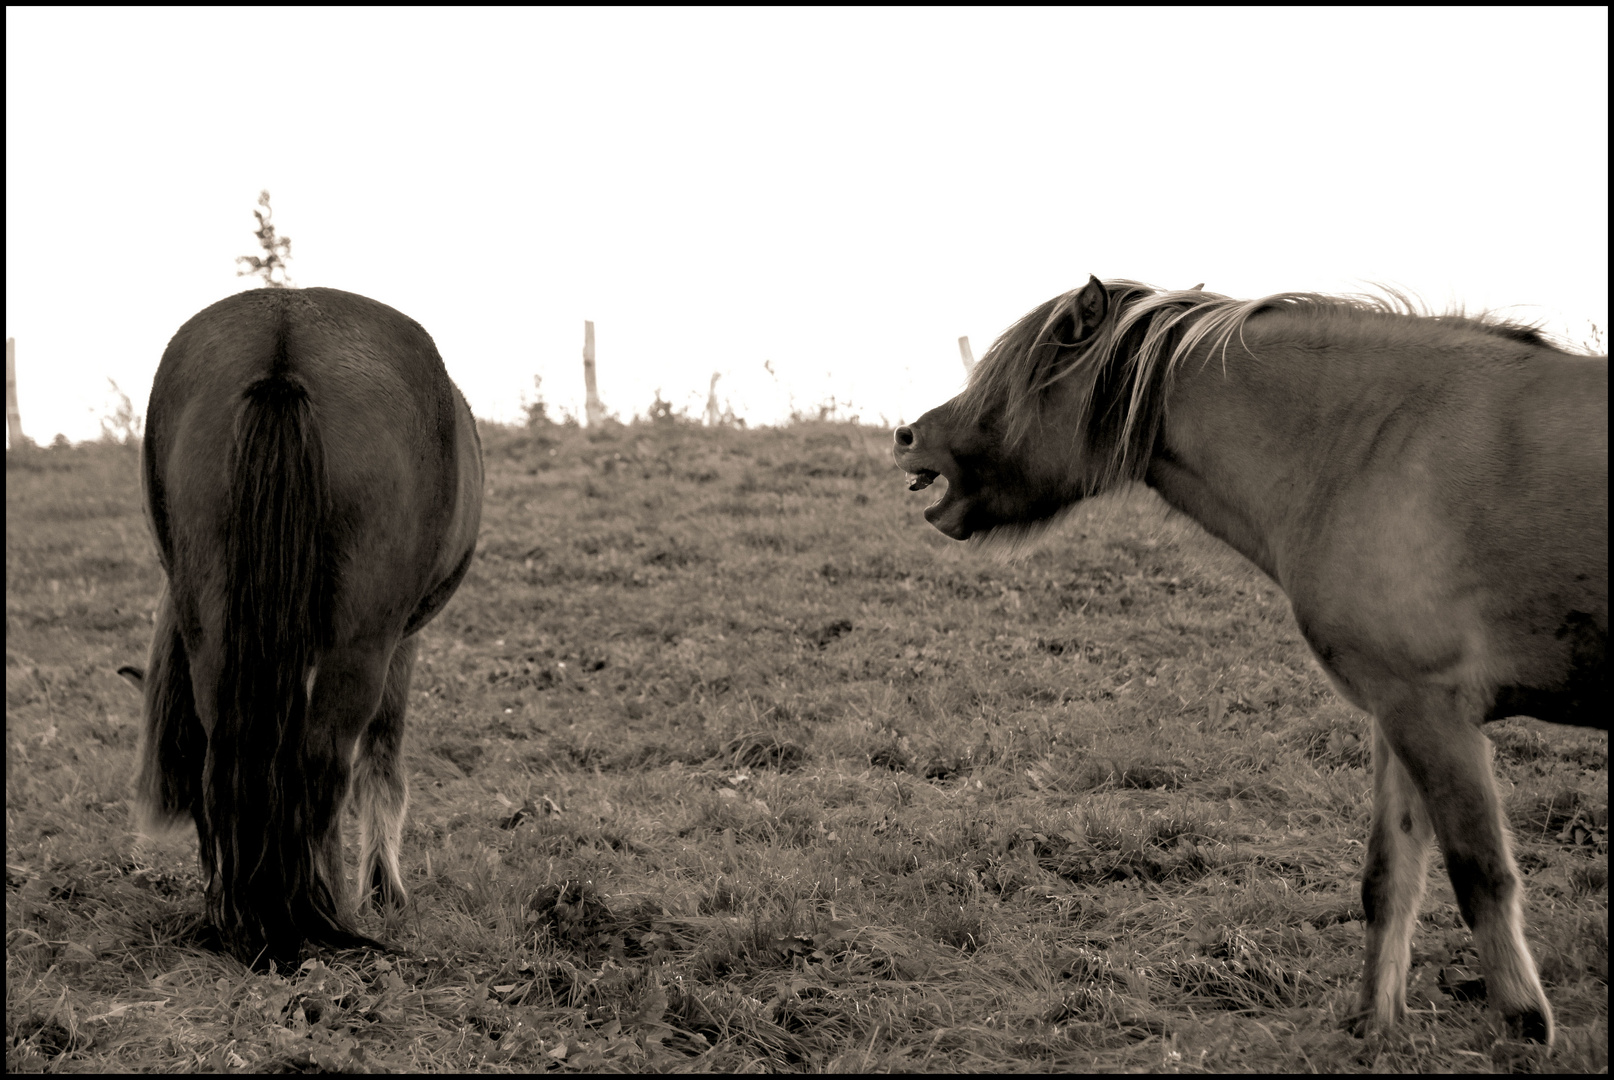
713, 415
964, 351
591, 407
13, 417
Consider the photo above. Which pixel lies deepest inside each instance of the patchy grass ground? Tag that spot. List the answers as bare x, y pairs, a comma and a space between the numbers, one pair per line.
722, 759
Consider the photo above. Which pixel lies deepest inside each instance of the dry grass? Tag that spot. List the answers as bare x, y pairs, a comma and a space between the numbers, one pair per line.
723, 760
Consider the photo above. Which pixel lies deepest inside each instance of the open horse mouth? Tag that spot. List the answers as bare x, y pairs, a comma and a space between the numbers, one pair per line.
920, 479
939, 512
946, 513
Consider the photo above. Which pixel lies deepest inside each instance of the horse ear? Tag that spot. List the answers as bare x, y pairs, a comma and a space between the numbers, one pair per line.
1088, 309
1069, 328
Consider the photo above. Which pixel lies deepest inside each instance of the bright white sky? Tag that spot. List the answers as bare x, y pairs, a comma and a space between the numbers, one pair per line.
842, 193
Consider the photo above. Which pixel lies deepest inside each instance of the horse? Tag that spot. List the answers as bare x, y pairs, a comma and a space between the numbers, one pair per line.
1430, 492
313, 485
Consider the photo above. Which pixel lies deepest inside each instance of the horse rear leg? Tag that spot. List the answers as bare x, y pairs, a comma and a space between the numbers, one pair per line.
1449, 759
380, 787
1392, 886
348, 689
175, 746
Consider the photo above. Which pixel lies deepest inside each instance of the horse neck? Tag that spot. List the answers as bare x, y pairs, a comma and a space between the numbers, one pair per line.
1239, 449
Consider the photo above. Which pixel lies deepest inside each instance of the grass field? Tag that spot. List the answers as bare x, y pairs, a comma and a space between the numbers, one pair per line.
722, 759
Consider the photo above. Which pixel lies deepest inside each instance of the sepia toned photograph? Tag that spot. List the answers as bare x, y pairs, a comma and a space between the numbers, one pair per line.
824, 540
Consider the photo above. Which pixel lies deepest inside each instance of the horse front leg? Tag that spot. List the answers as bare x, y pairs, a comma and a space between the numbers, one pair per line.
1392, 887
1439, 742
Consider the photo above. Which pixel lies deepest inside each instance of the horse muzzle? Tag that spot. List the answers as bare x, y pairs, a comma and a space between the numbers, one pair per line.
924, 464
916, 460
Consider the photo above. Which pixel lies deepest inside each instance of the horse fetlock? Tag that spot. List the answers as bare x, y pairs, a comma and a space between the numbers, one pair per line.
1517, 994
384, 888
1381, 1000
388, 897
1512, 984
1389, 1007
1378, 1011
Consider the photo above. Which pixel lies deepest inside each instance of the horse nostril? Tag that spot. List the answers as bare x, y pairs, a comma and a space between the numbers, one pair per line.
904, 436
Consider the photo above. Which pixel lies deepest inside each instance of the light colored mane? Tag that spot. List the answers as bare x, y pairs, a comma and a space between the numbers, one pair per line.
1148, 334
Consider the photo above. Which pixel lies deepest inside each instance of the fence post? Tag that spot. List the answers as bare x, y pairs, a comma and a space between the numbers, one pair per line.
713, 415
964, 351
591, 407
13, 417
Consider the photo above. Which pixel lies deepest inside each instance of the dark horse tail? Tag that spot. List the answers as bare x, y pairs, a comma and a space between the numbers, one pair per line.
272, 787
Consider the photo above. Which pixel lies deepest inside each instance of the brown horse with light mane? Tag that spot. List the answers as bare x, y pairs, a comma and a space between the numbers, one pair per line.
1430, 492
313, 482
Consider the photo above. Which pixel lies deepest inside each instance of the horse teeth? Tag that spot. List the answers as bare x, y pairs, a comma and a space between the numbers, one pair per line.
919, 481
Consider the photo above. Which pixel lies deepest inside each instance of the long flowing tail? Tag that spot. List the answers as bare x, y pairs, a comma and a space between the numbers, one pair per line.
273, 788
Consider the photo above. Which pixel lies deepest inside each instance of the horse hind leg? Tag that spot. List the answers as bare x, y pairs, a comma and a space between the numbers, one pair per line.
1392, 887
381, 788
1449, 759
348, 690
174, 745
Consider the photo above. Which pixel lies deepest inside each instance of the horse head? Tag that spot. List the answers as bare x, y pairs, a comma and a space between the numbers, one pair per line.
1011, 446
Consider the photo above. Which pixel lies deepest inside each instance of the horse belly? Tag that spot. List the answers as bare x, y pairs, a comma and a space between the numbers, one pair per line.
1571, 686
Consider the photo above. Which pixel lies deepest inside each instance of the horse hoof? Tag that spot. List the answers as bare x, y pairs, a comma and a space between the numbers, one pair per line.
1359, 1023
1531, 1025
1364, 1020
